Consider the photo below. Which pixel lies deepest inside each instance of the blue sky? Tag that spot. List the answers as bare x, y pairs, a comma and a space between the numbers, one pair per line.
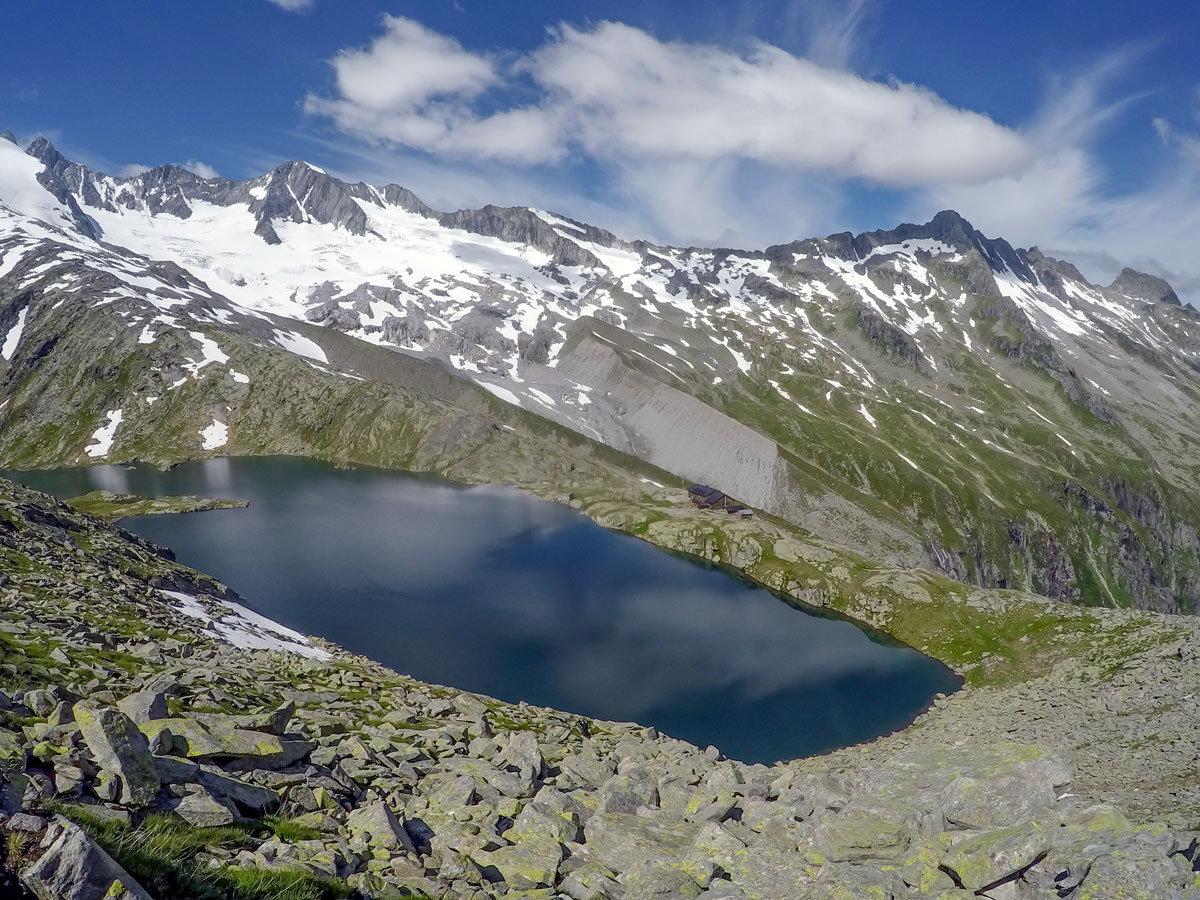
1072, 126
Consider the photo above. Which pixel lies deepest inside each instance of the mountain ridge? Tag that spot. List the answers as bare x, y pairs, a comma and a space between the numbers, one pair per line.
925, 394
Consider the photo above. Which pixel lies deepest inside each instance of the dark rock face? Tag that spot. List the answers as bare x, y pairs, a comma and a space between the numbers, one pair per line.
479, 327
1129, 540
405, 331
889, 336
522, 226
297, 192
536, 349
59, 177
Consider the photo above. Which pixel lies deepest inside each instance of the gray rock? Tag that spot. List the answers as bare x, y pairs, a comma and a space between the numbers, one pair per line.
62, 714
621, 841
144, 706
203, 810
162, 742
76, 868
591, 881
43, 701
629, 792
525, 757
275, 722
27, 823
119, 747
454, 794
529, 864
379, 826
173, 770
659, 880
509, 784
990, 857
588, 768
252, 799
469, 705
862, 835
218, 738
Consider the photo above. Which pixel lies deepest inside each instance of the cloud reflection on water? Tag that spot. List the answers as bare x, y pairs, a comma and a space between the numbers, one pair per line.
488, 589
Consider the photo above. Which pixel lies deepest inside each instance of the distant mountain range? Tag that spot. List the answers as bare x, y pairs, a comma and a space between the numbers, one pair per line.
925, 395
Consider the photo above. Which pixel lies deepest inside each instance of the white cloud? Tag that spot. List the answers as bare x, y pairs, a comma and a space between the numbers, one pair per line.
413, 87
695, 143
204, 170
615, 92
294, 5
132, 170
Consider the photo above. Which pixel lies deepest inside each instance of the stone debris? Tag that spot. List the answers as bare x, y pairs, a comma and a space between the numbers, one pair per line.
118, 747
399, 788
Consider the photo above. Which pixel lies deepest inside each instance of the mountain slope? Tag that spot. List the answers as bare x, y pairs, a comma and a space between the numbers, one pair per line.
924, 395
218, 755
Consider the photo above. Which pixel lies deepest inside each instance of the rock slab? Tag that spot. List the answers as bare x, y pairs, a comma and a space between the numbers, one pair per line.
77, 868
119, 747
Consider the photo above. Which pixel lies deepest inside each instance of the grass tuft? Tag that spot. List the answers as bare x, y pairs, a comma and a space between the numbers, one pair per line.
161, 853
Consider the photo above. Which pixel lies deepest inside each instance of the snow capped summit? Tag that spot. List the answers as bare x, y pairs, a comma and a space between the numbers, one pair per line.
841, 365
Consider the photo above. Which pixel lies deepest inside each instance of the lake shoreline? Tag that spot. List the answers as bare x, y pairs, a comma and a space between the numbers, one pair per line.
494, 590
1015, 651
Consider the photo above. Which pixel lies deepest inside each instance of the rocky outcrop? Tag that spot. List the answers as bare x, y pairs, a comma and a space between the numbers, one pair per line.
888, 336
74, 867
523, 226
119, 749
1141, 286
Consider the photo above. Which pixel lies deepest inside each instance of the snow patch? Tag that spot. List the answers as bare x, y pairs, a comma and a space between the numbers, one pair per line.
13, 338
215, 435
210, 352
104, 435
245, 628
300, 345
503, 393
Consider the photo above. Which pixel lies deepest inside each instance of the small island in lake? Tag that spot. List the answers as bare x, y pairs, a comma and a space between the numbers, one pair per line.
111, 507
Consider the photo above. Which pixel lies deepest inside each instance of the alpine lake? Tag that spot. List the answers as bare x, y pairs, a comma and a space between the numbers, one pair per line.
490, 590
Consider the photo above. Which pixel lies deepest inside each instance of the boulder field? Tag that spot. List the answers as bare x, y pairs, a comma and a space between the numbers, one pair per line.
156, 740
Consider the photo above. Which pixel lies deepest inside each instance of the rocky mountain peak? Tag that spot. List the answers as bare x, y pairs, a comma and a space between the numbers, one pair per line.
299, 192
524, 226
41, 149
1052, 272
61, 178
402, 197
1142, 286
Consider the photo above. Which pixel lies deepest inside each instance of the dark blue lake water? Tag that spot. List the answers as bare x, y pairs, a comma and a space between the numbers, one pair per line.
487, 589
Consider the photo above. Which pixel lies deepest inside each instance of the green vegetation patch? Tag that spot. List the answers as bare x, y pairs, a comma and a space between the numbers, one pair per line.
170, 858
110, 507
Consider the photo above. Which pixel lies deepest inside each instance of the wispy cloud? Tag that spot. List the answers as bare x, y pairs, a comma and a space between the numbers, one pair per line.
613, 92
751, 143
1065, 200
835, 33
294, 5
683, 142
